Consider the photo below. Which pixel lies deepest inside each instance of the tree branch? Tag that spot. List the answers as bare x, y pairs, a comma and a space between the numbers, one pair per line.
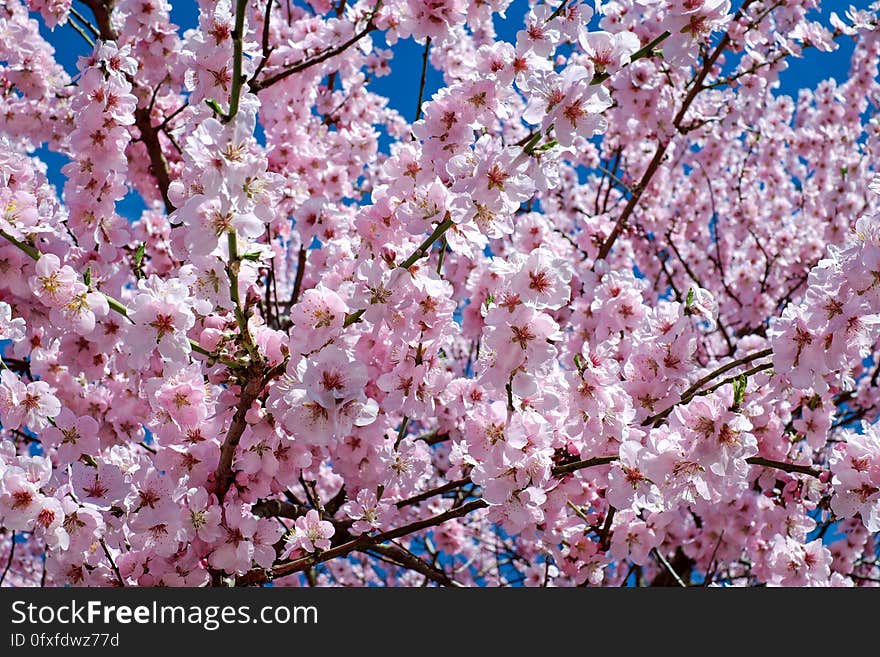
422, 80
250, 391
102, 10
113, 565
439, 490
260, 576
258, 85
639, 189
691, 392
785, 467
407, 559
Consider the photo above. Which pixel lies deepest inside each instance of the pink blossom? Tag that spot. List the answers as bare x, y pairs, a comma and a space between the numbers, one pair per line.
367, 512
10, 329
72, 436
26, 405
310, 533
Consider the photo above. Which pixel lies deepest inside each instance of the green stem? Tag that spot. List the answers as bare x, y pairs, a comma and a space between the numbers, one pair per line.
402, 431
232, 270
237, 54
114, 304
644, 51
81, 32
22, 246
420, 252
425, 246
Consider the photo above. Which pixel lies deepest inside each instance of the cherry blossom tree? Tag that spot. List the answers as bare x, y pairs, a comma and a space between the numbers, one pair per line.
602, 310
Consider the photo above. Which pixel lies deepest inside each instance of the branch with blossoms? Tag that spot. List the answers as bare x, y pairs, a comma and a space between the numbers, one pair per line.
695, 87
364, 542
258, 85
149, 134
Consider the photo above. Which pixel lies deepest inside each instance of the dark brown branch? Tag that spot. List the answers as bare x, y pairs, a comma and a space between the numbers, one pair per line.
112, 563
423, 78
691, 392
439, 490
298, 281
260, 576
633, 200
158, 163
266, 49
407, 559
669, 568
223, 476
258, 85
433, 437
569, 468
558, 471
785, 467
102, 10
278, 508
170, 117
695, 89
365, 543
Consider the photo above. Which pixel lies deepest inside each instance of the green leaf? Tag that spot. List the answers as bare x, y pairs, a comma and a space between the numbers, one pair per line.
739, 390
547, 146
139, 254
138, 260
530, 144
215, 106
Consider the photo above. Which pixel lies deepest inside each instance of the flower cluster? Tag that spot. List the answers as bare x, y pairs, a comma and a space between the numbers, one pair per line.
103, 110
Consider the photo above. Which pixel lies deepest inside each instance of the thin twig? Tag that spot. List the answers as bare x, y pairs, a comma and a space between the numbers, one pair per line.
112, 563
258, 85
72, 23
422, 80
361, 543
266, 49
691, 392
669, 568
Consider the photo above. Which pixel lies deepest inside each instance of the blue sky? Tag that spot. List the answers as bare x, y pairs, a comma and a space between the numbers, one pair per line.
401, 86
